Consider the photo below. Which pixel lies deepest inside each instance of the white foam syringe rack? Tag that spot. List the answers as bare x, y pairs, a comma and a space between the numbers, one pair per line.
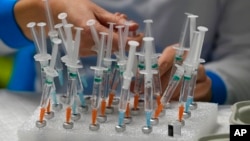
201, 123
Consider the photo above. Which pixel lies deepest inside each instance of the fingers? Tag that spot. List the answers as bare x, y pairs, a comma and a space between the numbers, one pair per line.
201, 74
166, 60
203, 85
203, 90
118, 18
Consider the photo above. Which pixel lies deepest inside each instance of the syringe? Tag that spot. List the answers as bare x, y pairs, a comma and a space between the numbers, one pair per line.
91, 24
168, 93
48, 86
42, 56
156, 77
114, 84
139, 83
125, 90
122, 61
107, 62
188, 65
185, 40
148, 86
98, 84
83, 108
54, 34
104, 93
58, 66
139, 78
190, 103
116, 77
76, 115
71, 62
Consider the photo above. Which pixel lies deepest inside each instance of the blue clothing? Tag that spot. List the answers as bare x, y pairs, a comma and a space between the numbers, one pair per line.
23, 73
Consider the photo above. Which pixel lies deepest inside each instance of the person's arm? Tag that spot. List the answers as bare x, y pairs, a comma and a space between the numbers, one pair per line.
10, 32
79, 12
230, 67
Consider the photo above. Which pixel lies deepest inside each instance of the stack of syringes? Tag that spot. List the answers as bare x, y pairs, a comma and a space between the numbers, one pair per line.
113, 76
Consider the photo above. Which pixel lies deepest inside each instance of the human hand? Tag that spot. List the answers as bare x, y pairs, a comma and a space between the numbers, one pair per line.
203, 82
79, 12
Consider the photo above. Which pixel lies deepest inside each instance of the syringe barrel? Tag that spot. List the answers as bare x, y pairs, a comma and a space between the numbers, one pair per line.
97, 89
138, 82
43, 64
79, 83
47, 88
175, 80
115, 78
156, 80
71, 88
148, 96
125, 93
185, 89
122, 68
124, 97
106, 84
193, 84
177, 61
138, 76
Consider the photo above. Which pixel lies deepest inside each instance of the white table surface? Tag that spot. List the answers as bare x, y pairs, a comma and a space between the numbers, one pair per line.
16, 107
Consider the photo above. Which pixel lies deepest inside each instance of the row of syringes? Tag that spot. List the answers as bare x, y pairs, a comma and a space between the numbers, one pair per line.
48, 62
185, 73
105, 82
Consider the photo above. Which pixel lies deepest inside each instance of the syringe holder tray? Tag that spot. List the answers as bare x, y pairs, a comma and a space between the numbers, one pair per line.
201, 123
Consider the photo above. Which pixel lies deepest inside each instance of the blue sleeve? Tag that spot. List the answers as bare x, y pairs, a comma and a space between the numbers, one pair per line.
24, 72
10, 32
219, 92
